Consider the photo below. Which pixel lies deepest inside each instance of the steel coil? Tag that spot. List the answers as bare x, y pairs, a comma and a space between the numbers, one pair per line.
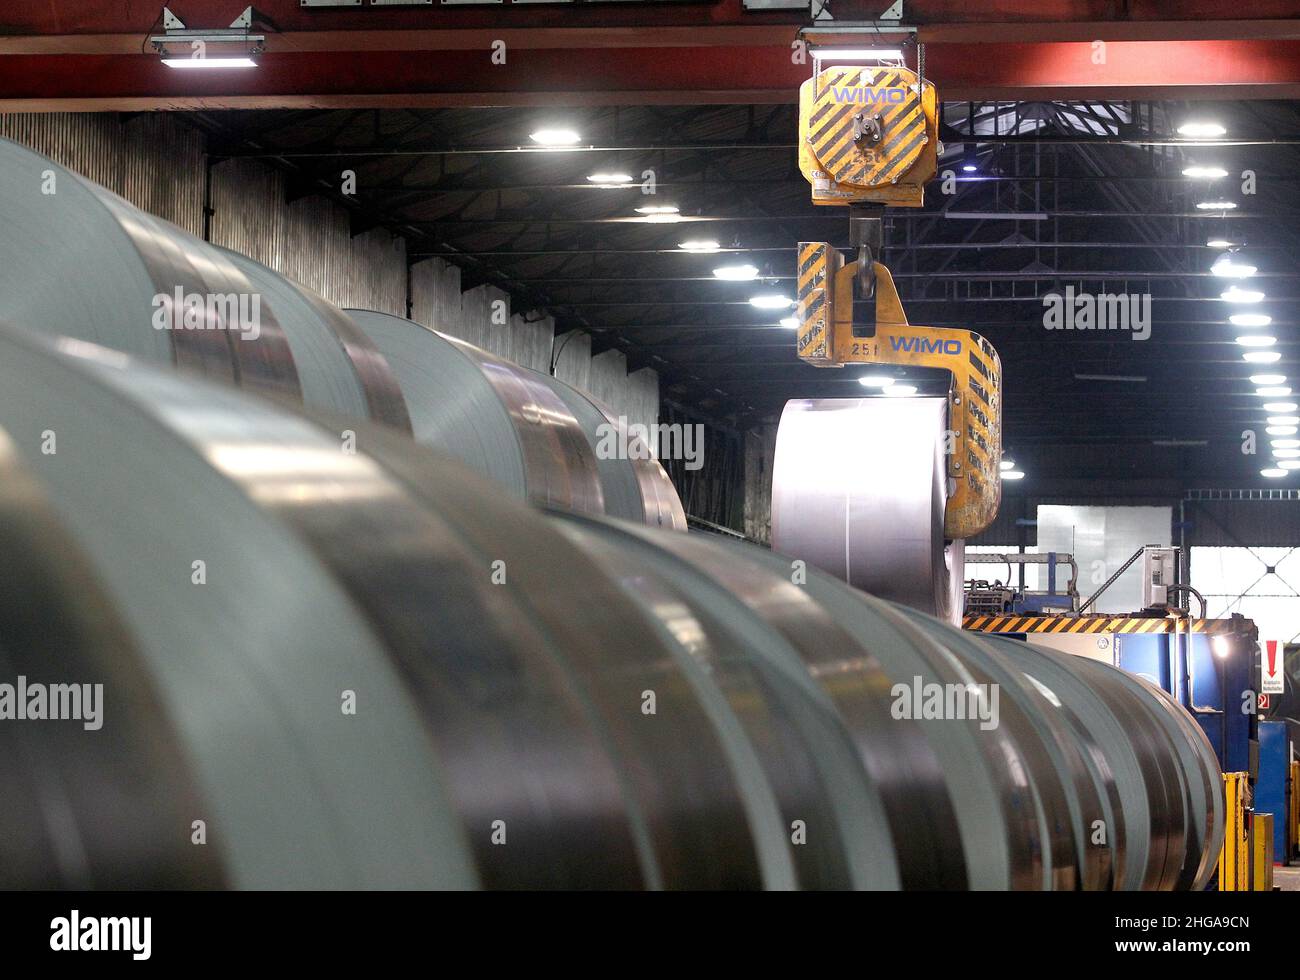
859, 487
541, 701
78, 261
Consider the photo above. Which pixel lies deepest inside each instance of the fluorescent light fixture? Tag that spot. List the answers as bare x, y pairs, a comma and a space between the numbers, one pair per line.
1285, 443
1204, 173
1006, 464
1273, 391
1261, 356
1226, 268
1279, 406
662, 218
1216, 206
858, 54
1273, 473
555, 137
1235, 294
875, 381
1287, 454
1201, 129
1218, 243
242, 62
1289, 464
1282, 430
900, 391
790, 322
1012, 475
1267, 379
700, 245
969, 168
771, 301
1257, 340
736, 273
610, 180
657, 209
1284, 420
1250, 319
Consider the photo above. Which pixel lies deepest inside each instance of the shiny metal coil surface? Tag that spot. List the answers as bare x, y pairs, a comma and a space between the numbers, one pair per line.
539, 701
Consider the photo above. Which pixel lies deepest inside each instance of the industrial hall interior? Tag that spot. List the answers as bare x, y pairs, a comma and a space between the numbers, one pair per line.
622, 445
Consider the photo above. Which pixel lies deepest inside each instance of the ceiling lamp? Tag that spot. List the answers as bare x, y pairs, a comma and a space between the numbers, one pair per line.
1279, 406
700, 246
610, 180
1216, 206
1235, 294
771, 301
1273, 473
1284, 420
1250, 319
555, 137
1012, 475
790, 322
1282, 430
1261, 356
1226, 268
1201, 129
736, 273
1257, 340
1219, 243
1204, 173
1267, 379
1273, 391
224, 47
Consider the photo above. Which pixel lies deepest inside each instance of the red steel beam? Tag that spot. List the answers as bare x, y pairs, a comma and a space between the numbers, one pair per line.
77, 56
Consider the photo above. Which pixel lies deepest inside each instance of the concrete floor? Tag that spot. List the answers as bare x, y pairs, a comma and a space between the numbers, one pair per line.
1287, 879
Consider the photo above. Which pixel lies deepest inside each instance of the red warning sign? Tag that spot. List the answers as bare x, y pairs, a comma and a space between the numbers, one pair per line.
1271, 667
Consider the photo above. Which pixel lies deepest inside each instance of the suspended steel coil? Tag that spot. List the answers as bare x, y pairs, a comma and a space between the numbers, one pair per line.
538, 701
859, 487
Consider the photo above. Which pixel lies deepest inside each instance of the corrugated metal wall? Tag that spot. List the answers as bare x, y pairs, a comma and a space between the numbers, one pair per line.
309, 240
481, 316
158, 162
154, 161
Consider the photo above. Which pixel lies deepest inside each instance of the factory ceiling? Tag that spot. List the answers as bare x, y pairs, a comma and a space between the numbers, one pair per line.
1085, 201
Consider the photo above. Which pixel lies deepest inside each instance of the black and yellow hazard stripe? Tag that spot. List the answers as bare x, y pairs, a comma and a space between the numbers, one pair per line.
814, 283
1091, 624
830, 126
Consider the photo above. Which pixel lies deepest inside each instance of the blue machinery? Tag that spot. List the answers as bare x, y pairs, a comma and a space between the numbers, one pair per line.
1210, 667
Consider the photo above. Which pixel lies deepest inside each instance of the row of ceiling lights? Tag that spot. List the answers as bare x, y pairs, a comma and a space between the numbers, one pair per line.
670, 214
1283, 424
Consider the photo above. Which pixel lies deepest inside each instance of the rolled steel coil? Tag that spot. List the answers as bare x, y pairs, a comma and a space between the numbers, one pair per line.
859, 487
539, 701
81, 262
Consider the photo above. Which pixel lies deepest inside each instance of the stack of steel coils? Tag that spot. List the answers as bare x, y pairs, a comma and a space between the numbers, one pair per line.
374, 669
81, 262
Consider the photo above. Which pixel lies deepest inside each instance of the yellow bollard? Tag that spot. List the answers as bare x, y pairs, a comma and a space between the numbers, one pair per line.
1234, 859
1261, 849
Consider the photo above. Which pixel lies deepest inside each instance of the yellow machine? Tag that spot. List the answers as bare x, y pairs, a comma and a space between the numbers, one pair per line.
870, 139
